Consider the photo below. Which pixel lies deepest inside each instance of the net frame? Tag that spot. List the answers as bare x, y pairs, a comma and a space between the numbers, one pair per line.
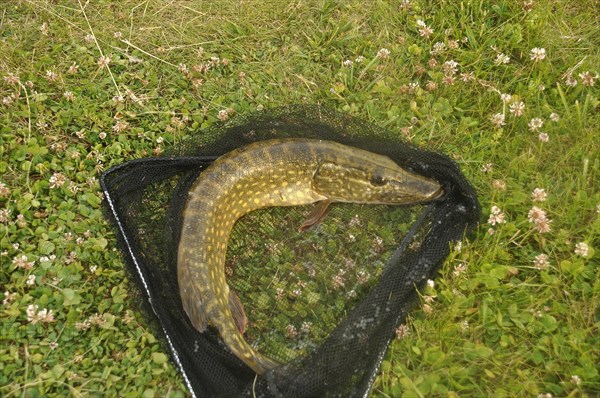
346, 363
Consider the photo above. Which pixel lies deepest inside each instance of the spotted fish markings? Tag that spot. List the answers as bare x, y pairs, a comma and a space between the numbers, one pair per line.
283, 172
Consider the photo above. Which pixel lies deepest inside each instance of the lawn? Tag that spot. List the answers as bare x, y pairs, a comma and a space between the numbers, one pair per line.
509, 89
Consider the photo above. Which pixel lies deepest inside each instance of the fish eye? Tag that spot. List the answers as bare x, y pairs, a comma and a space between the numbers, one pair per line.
377, 180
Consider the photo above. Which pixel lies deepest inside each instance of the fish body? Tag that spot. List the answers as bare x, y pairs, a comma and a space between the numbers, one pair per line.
281, 172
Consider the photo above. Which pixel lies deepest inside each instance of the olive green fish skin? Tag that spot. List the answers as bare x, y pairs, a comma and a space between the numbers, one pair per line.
283, 172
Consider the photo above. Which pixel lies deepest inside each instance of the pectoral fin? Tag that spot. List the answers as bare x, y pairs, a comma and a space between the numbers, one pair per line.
237, 310
317, 214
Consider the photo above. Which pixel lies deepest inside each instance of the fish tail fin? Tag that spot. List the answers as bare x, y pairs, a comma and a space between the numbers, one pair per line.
234, 340
263, 364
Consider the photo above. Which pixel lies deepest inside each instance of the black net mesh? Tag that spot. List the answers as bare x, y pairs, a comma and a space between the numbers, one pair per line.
325, 302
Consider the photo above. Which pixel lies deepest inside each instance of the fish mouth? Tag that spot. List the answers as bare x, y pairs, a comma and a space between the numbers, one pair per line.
439, 194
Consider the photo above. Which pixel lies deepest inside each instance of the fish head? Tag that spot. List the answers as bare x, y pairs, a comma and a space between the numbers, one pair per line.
359, 176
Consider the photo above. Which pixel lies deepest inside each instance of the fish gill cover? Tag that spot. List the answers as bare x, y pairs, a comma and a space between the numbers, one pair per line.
325, 302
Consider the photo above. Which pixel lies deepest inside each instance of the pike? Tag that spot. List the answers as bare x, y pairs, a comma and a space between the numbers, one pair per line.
280, 172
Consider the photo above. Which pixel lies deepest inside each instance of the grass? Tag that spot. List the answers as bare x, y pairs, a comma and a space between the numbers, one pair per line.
495, 324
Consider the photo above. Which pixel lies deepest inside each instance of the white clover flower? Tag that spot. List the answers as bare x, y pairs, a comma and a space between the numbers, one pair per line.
517, 108
539, 195
8, 100
467, 77
537, 54
570, 80
31, 312
57, 180
43, 316
73, 68
496, 216
438, 48
486, 168
4, 215
535, 214
498, 120
85, 325
8, 298
290, 331
383, 53
431, 85
535, 124
223, 114
502, 59
11, 78
103, 61
506, 98
183, 68
459, 269
464, 326
450, 67
539, 218
499, 185
587, 79
448, 80
543, 226
402, 331
458, 247
541, 262
120, 126
22, 262
51, 75
582, 249
306, 327
46, 316
424, 31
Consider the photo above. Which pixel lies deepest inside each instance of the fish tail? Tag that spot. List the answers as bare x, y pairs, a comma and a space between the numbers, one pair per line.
241, 349
261, 363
